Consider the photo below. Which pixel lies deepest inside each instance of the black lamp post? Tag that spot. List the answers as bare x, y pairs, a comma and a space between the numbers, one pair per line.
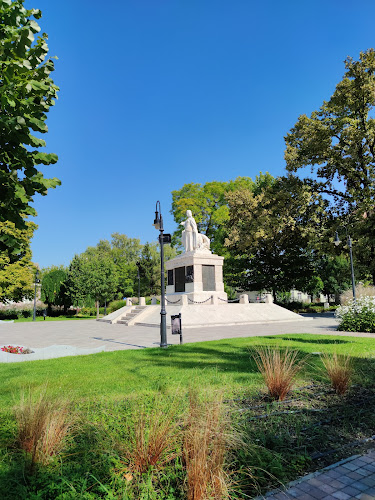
138, 264
349, 241
158, 223
36, 282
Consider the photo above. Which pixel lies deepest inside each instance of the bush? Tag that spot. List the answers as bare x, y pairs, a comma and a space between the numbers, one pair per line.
357, 316
115, 305
88, 311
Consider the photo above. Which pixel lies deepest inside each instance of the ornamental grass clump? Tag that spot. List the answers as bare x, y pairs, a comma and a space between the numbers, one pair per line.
278, 369
357, 316
43, 425
339, 370
152, 439
206, 441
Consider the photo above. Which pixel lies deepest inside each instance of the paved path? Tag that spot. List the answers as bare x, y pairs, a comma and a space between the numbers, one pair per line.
351, 478
91, 333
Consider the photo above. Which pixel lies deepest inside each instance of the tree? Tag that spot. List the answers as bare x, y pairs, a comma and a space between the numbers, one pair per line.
26, 94
92, 275
338, 143
271, 235
16, 269
124, 252
210, 207
54, 288
149, 268
338, 140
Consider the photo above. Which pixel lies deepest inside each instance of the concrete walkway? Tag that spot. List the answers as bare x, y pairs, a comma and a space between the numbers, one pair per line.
351, 478
92, 334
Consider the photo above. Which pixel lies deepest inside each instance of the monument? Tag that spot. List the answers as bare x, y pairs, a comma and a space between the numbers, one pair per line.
195, 276
195, 290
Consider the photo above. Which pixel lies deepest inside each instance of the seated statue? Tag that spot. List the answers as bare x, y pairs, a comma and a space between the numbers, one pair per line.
191, 239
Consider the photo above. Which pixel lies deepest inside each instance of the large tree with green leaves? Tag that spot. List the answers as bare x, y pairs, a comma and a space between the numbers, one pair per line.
338, 140
338, 143
92, 276
209, 205
54, 288
271, 235
27, 92
16, 269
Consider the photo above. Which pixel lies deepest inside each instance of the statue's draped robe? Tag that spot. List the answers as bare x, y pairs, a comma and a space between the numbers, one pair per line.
190, 235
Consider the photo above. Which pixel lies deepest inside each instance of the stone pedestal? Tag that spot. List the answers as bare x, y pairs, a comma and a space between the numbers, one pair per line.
196, 275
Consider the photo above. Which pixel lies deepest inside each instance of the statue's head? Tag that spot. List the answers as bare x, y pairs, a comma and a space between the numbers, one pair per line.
188, 213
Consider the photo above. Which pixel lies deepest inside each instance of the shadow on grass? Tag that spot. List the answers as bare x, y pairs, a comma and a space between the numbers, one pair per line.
306, 341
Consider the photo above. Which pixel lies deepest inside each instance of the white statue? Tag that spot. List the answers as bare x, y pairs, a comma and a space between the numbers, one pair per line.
191, 239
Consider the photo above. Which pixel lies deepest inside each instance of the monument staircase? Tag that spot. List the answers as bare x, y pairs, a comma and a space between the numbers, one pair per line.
130, 315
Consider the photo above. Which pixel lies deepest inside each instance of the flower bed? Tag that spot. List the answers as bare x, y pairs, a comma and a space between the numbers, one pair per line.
357, 316
12, 349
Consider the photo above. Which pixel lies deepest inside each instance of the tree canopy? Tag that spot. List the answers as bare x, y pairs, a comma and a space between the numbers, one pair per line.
338, 140
16, 269
270, 235
26, 94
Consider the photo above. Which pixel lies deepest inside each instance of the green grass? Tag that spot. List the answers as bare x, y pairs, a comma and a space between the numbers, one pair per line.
52, 318
226, 364
109, 389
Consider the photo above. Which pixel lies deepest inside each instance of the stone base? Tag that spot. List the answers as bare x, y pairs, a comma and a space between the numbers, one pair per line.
196, 298
201, 315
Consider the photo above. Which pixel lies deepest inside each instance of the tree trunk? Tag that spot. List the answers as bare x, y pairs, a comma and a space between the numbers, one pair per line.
97, 309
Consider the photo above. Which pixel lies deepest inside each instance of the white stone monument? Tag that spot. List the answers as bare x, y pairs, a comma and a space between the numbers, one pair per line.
195, 276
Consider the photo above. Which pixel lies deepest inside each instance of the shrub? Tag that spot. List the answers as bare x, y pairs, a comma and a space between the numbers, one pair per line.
42, 426
205, 443
357, 316
115, 305
88, 311
339, 370
278, 369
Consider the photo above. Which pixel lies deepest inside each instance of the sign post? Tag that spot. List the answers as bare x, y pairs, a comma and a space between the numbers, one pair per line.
176, 325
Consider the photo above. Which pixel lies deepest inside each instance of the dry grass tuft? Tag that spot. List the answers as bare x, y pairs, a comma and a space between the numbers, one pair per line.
278, 369
206, 440
43, 425
360, 291
339, 370
152, 439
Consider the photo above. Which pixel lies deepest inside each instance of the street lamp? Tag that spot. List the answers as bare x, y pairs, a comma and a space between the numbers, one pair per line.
138, 264
158, 223
36, 282
349, 241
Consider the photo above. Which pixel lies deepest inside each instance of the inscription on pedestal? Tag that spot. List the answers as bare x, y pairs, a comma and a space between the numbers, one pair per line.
170, 277
189, 274
208, 278
179, 277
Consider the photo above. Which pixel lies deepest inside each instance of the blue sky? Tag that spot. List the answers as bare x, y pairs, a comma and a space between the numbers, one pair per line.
159, 93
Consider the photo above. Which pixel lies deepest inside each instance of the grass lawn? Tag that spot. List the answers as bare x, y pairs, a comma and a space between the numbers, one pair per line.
282, 440
53, 318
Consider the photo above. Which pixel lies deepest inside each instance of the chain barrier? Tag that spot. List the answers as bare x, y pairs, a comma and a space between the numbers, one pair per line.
171, 302
197, 302
223, 300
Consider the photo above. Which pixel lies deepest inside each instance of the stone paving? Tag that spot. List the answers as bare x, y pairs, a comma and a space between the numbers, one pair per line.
351, 478
92, 334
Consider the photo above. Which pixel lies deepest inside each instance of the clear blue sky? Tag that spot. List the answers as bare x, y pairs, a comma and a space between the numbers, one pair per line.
159, 93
